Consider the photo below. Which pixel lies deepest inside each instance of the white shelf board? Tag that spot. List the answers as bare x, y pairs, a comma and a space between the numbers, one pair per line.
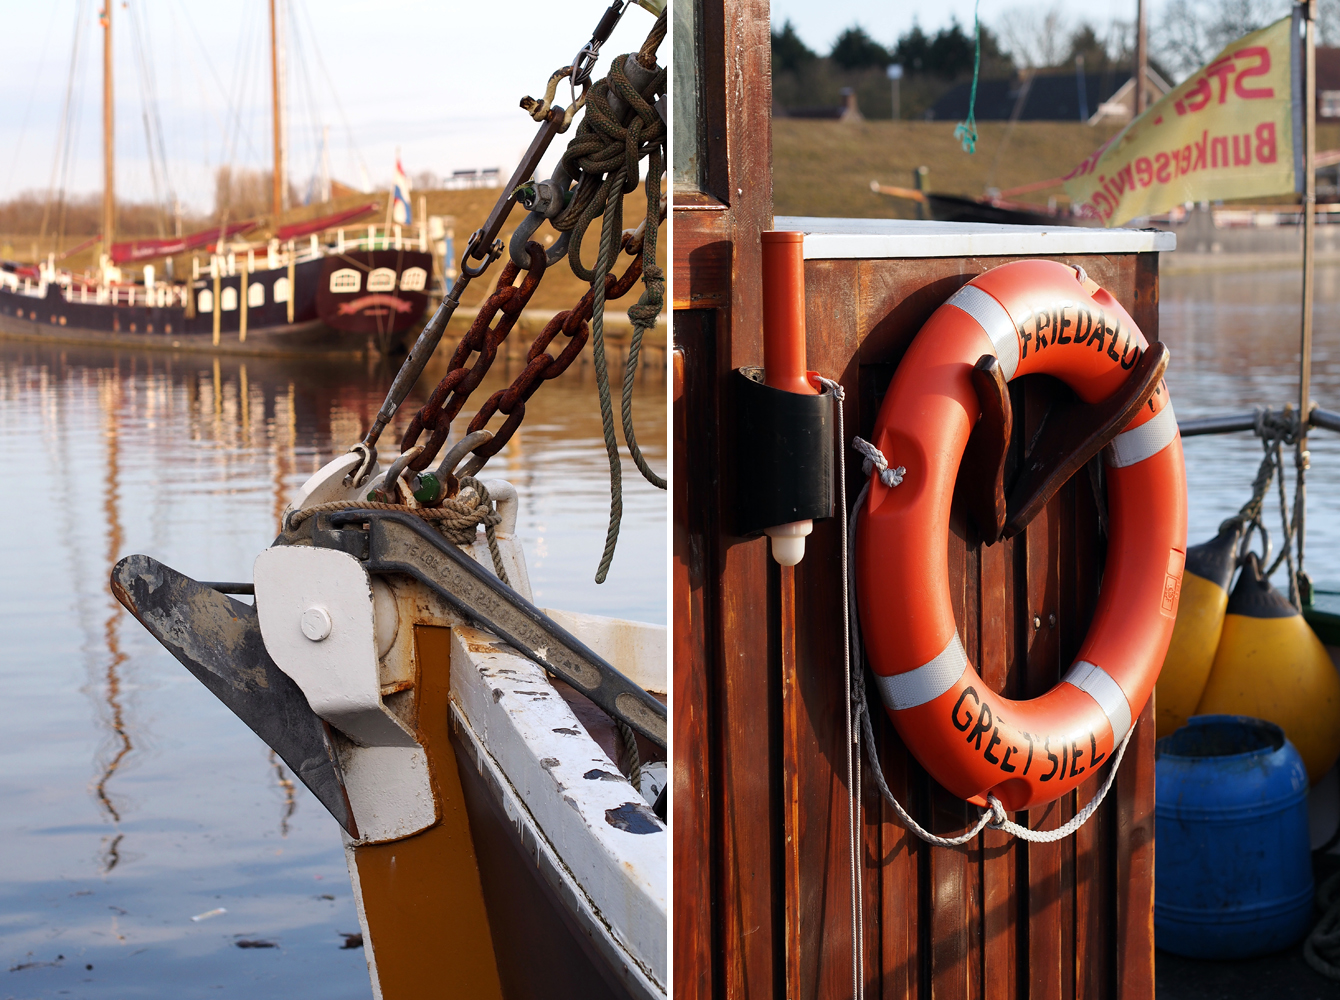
867, 239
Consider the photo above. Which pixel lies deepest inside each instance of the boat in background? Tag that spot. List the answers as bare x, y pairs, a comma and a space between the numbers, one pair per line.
306, 288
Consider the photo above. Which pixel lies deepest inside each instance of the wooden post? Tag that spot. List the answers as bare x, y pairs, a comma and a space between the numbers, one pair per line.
108, 135
1141, 57
242, 303
218, 316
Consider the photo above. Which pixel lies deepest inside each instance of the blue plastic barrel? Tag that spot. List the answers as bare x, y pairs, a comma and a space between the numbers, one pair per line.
1233, 865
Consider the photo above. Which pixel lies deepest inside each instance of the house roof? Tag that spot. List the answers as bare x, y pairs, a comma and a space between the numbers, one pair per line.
1051, 97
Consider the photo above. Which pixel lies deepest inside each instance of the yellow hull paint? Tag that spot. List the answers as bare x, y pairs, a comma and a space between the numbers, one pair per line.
1277, 669
1195, 638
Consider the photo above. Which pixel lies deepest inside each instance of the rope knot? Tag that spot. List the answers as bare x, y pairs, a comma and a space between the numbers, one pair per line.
874, 460
996, 809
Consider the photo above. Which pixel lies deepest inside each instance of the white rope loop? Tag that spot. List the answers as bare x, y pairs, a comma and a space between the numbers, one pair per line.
994, 815
874, 459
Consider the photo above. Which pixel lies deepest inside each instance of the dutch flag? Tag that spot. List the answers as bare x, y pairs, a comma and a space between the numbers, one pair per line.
400, 210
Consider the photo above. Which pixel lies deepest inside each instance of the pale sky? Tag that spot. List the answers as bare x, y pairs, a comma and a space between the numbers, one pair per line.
819, 24
439, 80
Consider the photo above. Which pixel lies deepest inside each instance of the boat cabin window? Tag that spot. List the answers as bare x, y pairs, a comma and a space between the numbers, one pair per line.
381, 280
412, 280
281, 289
687, 172
255, 295
228, 299
346, 279
205, 302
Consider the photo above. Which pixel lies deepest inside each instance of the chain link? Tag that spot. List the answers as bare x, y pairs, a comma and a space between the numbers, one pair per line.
451, 394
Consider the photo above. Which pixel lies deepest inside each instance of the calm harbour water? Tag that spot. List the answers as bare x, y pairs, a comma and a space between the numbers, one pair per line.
1234, 341
132, 800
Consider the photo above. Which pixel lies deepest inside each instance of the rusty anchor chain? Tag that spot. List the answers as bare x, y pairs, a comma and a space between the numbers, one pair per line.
462, 378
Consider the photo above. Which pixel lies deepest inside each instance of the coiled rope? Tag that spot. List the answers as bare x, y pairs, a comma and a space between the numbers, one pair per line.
458, 518
1322, 947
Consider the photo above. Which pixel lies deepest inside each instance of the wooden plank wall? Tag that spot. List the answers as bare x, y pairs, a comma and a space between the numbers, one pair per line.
762, 906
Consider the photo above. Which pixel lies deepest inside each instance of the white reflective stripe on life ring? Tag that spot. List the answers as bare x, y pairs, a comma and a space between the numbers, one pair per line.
1146, 441
994, 321
926, 682
1098, 684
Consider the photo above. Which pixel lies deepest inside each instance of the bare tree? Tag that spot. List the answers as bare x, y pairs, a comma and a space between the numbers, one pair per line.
1035, 37
1192, 32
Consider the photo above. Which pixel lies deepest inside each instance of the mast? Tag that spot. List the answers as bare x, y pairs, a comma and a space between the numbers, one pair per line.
1141, 56
277, 199
108, 137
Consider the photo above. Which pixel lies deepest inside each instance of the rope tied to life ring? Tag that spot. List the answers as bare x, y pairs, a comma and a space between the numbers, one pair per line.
994, 816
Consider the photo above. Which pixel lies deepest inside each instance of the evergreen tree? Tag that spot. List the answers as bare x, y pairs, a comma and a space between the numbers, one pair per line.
854, 49
789, 53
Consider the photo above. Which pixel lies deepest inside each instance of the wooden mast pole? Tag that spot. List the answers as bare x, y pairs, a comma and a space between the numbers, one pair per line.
1141, 56
108, 135
277, 200
1309, 285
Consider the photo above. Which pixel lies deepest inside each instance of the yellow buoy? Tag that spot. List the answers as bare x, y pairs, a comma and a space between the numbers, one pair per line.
1200, 617
1271, 665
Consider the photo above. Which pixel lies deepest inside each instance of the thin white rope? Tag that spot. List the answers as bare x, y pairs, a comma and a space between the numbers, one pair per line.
994, 815
854, 853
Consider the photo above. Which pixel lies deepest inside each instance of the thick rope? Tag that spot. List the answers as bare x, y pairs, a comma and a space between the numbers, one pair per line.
631, 759
994, 816
1322, 947
457, 519
607, 251
644, 312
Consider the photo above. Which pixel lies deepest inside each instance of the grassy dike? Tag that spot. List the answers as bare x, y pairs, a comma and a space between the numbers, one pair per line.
824, 168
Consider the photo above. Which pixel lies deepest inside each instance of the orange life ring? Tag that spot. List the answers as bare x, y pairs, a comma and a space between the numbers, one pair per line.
1036, 316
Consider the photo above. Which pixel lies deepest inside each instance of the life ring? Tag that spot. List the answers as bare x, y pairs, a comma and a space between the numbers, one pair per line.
1035, 316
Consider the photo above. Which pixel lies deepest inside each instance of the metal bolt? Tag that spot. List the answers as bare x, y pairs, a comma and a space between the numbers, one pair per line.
316, 623
1051, 619
1037, 621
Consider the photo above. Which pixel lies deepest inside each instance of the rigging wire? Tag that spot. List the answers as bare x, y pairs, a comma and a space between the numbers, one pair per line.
67, 129
353, 149
153, 121
32, 93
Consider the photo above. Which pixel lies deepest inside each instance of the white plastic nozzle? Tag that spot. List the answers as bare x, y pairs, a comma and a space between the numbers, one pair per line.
788, 541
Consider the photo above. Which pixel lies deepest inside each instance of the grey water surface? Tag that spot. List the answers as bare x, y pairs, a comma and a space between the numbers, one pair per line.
1234, 338
131, 801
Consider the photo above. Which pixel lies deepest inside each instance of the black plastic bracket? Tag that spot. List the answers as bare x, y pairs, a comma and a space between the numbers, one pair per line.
784, 454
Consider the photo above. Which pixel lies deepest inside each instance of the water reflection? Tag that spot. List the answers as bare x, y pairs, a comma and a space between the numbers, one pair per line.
115, 721
1235, 345
192, 460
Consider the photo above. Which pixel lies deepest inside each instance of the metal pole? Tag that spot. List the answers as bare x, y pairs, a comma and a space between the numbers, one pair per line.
108, 135
1309, 286
1141, 56
277, 185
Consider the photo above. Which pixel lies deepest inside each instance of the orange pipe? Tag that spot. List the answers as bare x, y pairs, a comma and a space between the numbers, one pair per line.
784, 313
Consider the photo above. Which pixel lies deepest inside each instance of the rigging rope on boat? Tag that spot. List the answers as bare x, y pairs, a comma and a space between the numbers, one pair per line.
604, 157
1277, 428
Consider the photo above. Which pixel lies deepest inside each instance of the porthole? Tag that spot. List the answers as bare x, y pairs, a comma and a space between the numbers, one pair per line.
228, 299
205, 302
413, 280
255, 295
281, 290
